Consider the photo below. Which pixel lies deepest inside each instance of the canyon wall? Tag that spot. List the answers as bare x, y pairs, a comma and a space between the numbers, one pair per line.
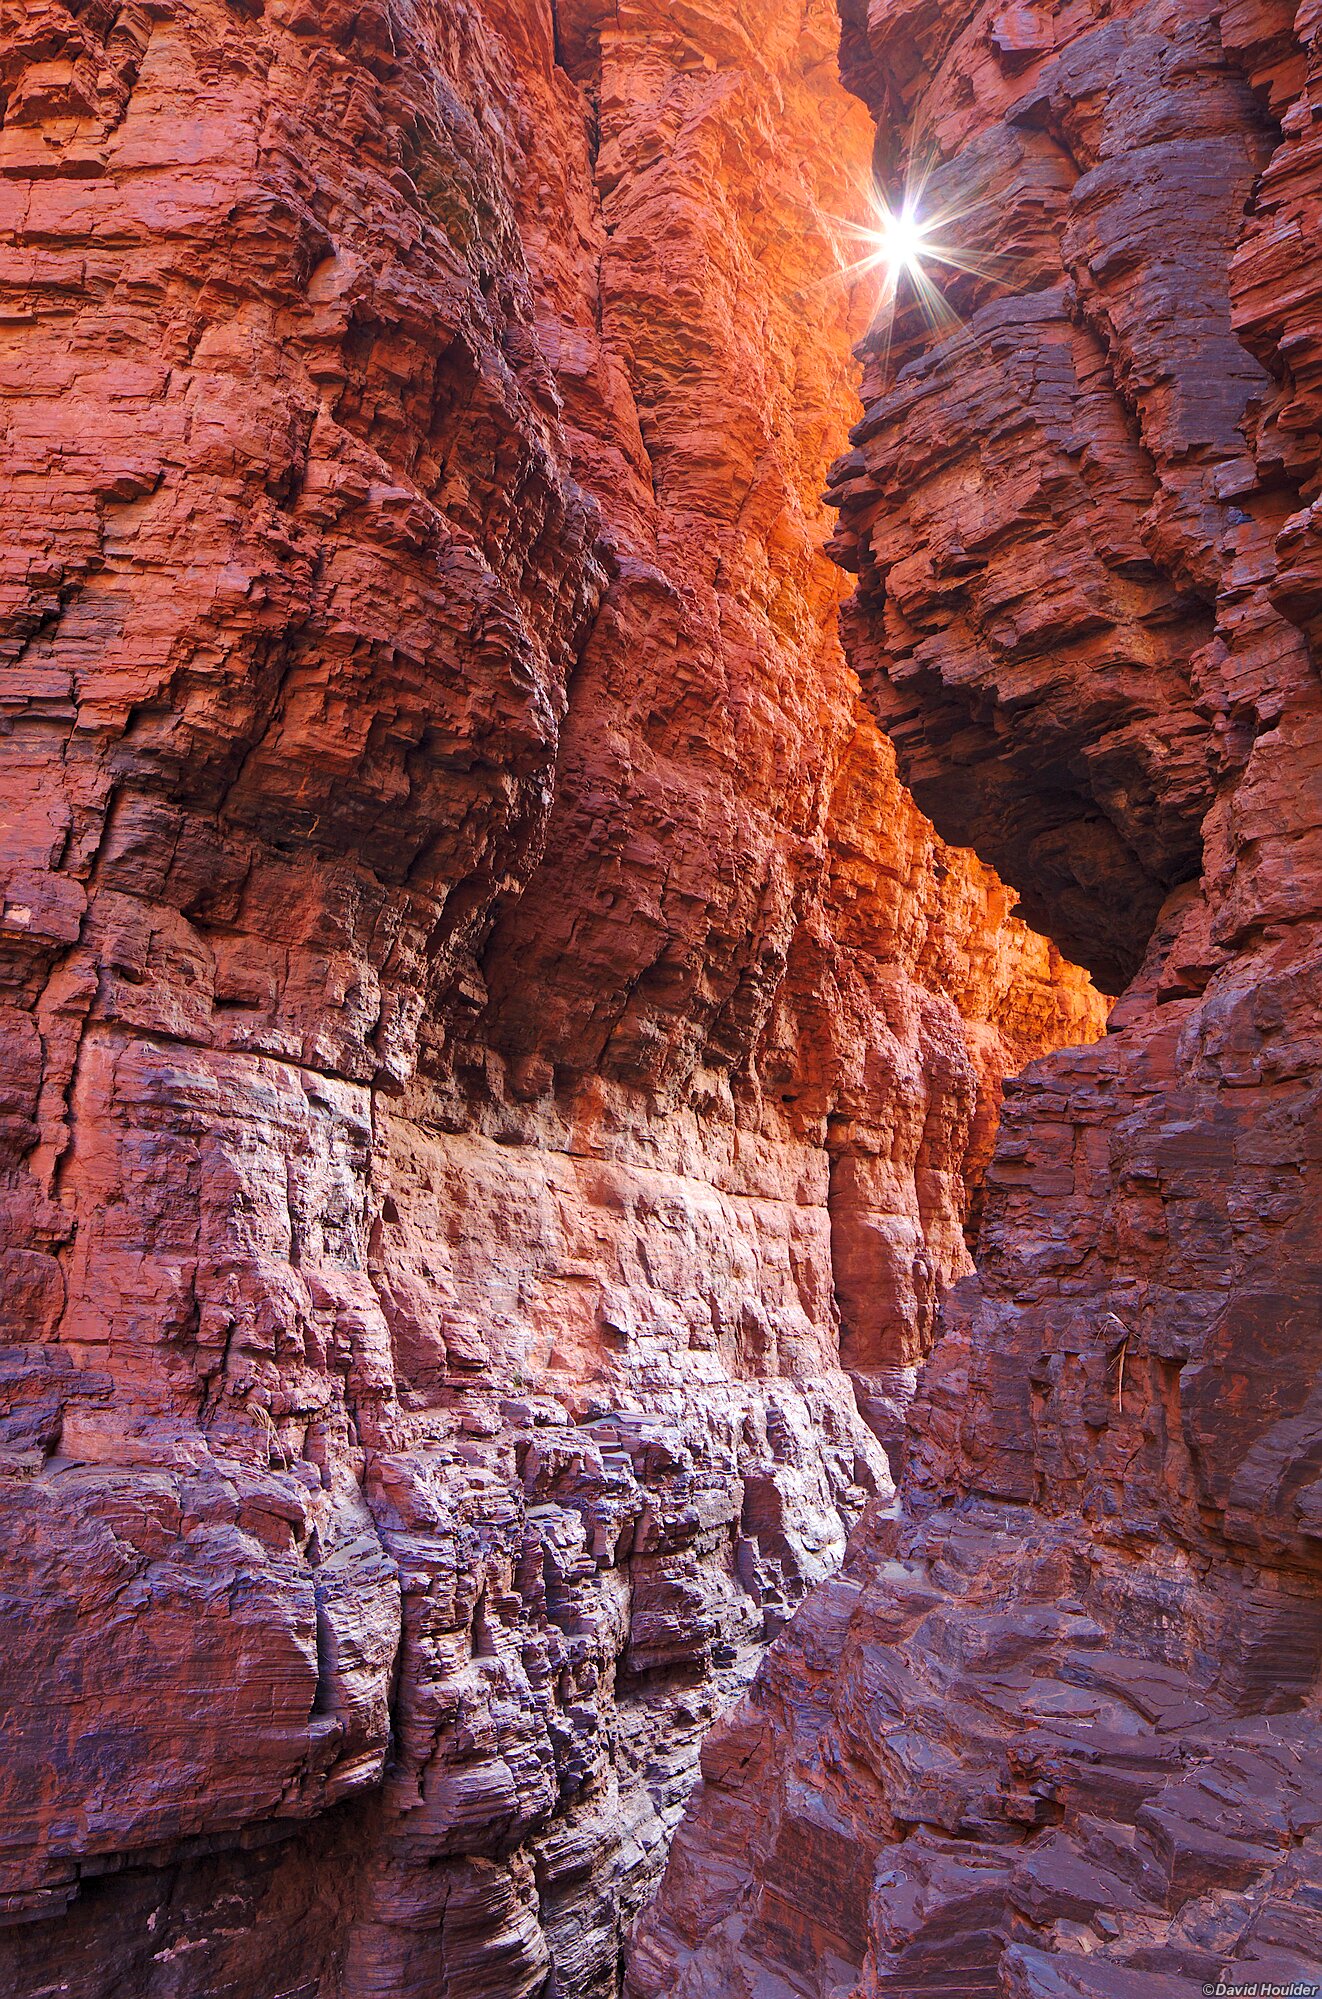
494, 1063
1053, 1733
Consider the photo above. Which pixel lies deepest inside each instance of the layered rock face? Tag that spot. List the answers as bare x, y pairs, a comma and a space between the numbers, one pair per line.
494, 1062
1054, 1731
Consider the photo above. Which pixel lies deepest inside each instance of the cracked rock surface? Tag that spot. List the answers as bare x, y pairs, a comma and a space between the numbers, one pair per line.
494, 1065
1053, 1732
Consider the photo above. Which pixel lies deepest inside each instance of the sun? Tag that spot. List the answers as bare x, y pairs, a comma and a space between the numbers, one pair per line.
899, 242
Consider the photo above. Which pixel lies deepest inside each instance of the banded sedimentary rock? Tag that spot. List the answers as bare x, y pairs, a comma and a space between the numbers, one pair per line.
1054, 1730
490, 1048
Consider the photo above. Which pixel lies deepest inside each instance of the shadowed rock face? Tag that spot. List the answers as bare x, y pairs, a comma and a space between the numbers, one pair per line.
1053, 1732
490, 1048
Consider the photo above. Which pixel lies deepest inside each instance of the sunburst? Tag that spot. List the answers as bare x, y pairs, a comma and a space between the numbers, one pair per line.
910, 242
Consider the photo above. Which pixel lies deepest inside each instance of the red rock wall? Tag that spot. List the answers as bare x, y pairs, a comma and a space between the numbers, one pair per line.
487, 1034
1053, 1734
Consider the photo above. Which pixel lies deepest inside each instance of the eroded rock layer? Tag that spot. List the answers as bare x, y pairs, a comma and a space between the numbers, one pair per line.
494, 1064
1054, 1732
